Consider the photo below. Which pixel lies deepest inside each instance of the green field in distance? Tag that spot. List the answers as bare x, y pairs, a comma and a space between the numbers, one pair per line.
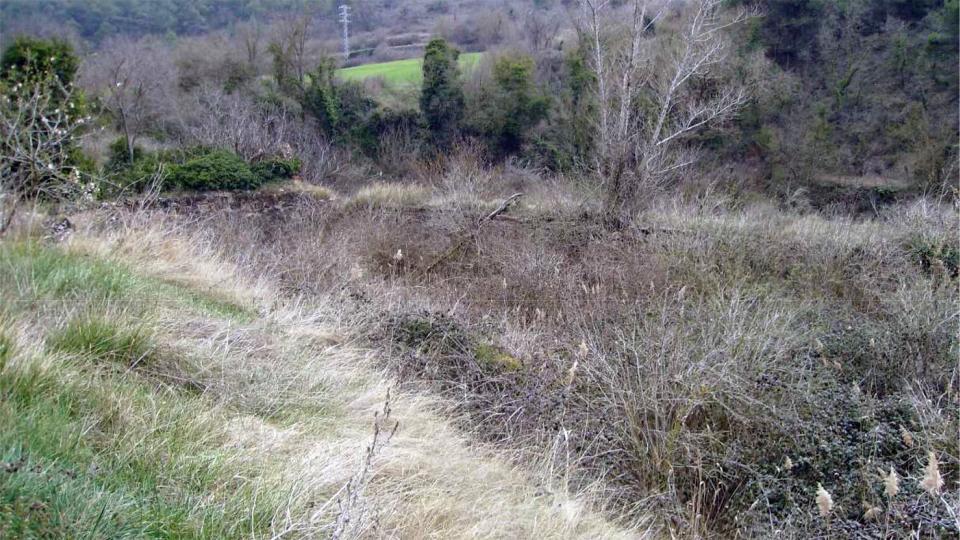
400, 72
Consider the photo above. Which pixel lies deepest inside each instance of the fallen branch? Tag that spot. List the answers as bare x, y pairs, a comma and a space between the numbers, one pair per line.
464, 238
504, 206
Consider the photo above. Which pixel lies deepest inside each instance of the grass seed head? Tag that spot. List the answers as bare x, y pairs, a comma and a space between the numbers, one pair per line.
870, 511
932, 482
824, 501
891, 483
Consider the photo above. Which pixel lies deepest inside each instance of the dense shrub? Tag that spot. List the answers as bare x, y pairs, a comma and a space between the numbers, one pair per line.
441, 98
320, 97
119, 154
269, 170
123, 175
566, 141
196, 168
29, 59
42, 116
356, 108
505, 113
218, 169
867, 89
343, 110
133, 177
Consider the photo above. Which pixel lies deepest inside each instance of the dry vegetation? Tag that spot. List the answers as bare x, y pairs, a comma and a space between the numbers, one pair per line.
715, 368
248, 409
652, 269
709, 366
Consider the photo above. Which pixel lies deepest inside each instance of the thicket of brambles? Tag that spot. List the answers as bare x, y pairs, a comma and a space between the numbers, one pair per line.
705, 307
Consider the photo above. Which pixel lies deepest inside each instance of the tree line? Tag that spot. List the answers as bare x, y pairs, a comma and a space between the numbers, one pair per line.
647, 96
102, 19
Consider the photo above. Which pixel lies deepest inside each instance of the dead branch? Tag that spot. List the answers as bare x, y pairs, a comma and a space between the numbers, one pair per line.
504, 206
471, 235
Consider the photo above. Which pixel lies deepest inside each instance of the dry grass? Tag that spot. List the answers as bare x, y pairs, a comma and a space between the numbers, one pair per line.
298, 186
718, 341
385, 195
294, 398
671, 369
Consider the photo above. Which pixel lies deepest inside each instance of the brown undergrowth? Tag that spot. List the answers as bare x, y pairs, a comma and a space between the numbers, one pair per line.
711, 364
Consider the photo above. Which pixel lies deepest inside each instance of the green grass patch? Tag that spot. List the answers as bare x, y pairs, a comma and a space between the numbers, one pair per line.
495, 358
105, 456
32, 273
103, 341
204, 302
401, 72
91, 451
7, 343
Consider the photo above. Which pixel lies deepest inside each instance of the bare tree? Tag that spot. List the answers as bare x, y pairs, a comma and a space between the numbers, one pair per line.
218, 119
653, 89
231, 120
290, 50
135, 81
37, 132
540, 28
251, 33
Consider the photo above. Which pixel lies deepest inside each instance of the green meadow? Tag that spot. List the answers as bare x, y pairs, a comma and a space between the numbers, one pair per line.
401, 72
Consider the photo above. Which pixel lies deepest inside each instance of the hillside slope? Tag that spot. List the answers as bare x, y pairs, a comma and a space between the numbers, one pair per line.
146, 389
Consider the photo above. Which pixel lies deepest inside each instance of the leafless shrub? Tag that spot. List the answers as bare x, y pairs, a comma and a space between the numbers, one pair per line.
236, 122
684, 358
215, 58
465, 185
399, 151
320, 160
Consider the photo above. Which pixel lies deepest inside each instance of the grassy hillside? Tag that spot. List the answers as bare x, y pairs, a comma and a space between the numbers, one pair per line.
401, 72
146, 390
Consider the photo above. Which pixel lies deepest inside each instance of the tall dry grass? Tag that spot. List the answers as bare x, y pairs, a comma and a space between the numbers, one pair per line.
296, 392
682, 361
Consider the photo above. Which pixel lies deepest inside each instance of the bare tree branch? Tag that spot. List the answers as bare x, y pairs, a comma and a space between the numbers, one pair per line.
644, 88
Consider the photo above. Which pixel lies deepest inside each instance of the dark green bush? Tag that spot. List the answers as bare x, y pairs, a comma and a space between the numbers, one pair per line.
194, 168
269, 170
119, 155
124, 175
132, 178
218, 169
32, 60
441, 97
507, 108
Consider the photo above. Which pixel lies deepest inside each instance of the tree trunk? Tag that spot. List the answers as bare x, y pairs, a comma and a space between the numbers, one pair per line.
616, 200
